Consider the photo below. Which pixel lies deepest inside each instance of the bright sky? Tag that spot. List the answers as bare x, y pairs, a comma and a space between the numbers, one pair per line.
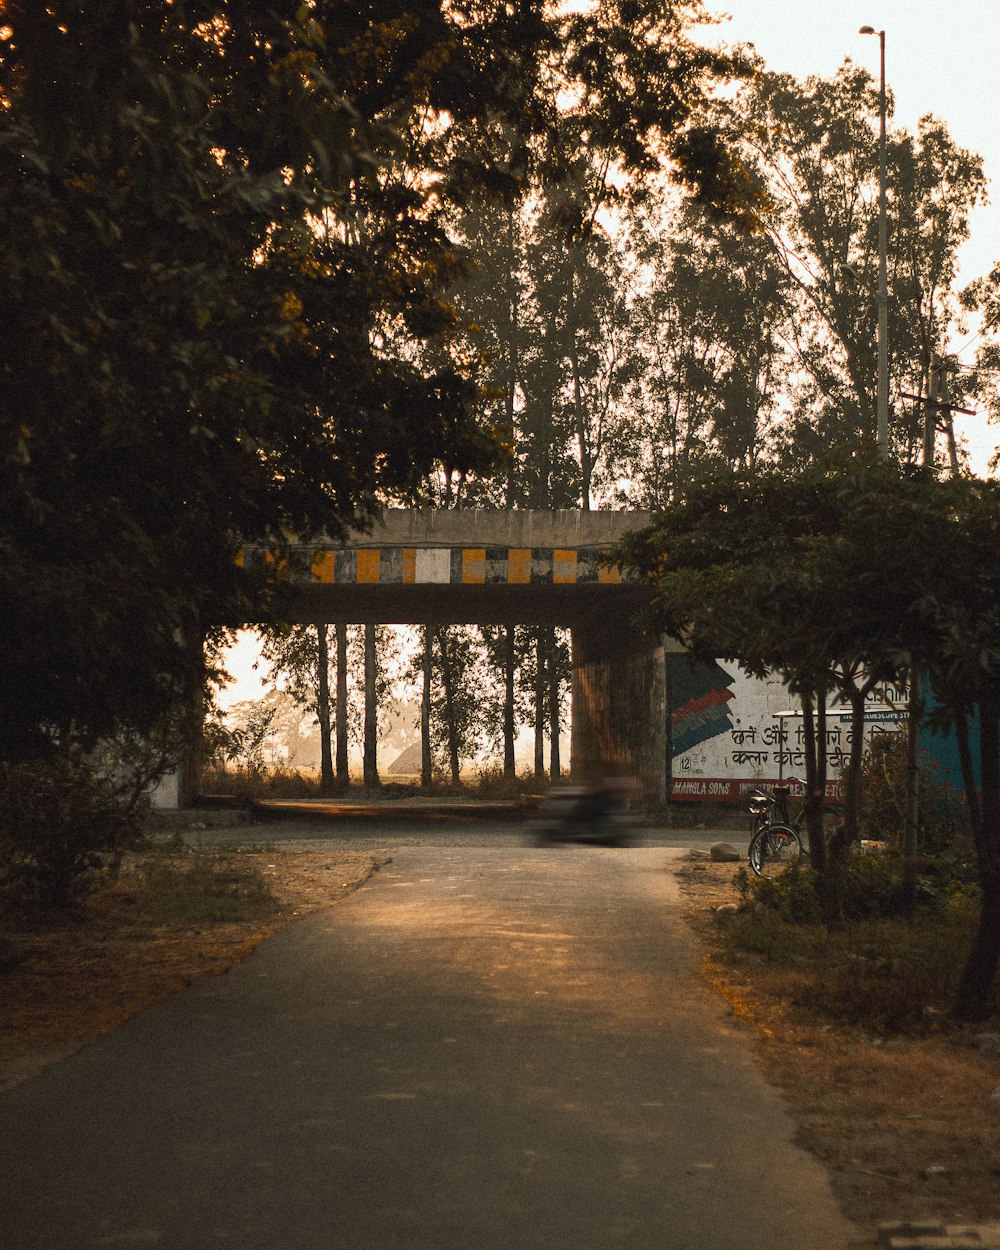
940, 58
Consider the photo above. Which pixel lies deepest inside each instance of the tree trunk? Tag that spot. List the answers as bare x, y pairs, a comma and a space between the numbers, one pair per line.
842, 842
448, 682
911, 825
555, 764
539, 707
326, 778
513, 361
814, 742
972, 801
371, 709
975, 998
509, 727
343, 770
425, 708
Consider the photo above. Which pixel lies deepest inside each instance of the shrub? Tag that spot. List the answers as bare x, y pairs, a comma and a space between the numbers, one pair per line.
943, 818
199, 892
872, 888
790, 895
61, 824
270, 783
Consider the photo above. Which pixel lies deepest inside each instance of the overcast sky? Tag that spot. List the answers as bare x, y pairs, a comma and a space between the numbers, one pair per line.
941, 58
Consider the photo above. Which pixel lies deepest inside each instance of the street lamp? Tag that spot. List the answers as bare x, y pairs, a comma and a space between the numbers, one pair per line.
883, 279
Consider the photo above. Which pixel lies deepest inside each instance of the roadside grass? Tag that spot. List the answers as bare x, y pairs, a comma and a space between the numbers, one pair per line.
900, 1101
883, 976
878, 972
202, 890
170, 917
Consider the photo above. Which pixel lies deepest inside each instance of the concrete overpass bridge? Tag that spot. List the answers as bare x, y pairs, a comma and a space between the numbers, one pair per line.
485, 566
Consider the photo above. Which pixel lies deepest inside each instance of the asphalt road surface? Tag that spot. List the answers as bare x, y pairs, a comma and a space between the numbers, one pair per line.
485, 1048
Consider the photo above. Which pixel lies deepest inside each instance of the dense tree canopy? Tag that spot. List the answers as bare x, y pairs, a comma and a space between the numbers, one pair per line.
223, 269
846, 573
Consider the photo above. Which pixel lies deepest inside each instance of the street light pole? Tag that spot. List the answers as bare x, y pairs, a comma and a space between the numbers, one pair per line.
883, 277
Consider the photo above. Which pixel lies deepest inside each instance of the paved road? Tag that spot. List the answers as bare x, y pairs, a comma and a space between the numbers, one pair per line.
485, 1048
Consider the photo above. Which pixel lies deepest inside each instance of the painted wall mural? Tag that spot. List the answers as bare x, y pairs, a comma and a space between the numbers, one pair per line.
731, 732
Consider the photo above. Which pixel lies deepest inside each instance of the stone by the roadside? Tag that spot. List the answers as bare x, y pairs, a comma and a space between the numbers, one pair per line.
927, 1235
727, 909
988, 1043
909, 1228
725, 853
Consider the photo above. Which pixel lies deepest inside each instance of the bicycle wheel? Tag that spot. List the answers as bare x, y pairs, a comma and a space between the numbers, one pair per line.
773, 848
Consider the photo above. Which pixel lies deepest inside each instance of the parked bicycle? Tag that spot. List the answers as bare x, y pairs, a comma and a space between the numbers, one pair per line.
774, 834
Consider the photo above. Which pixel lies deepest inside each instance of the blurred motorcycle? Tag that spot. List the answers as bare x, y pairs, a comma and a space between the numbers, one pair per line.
587, 814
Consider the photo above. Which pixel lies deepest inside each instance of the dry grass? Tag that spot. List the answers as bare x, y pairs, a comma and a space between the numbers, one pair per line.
908, 1126
65, 981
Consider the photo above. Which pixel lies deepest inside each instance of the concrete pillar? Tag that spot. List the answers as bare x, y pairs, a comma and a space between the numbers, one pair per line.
619, 702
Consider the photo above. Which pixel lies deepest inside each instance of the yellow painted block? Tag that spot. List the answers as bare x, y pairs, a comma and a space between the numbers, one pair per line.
473, 565
369, 560
609, 574
322, 566
519, 566
564, 566
409, 565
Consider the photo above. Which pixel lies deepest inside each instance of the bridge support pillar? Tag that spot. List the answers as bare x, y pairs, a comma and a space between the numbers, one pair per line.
620, 702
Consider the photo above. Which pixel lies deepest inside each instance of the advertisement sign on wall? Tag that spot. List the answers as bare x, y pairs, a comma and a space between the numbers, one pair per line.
731, 732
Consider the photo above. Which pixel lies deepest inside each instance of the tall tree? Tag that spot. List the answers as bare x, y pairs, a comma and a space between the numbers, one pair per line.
457, 710
813, 146
847, 573
300, 656
188, 364
708, 311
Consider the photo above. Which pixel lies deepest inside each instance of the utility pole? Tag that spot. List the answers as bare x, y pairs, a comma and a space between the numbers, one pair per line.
883, 260
931, 410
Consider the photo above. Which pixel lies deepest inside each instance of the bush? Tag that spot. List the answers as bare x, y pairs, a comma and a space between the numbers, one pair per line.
61, 826
199, 892
877, 971
872, 889
889, 976
944, 817
791, 895
265, 783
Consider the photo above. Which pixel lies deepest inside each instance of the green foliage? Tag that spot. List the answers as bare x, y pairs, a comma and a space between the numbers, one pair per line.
872, 888
790, 894
187, 364
196, 891
61, 826
875, 971
812, 147
943, 814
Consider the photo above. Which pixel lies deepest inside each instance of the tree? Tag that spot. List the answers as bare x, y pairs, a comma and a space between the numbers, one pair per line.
188, 364
299, 655
813, 147
456, 708
708, 322
846, 574
793, 548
